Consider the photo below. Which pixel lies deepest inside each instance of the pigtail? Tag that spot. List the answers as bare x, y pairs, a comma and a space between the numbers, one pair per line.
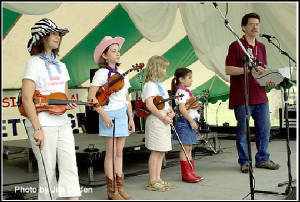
180, 72
174, 85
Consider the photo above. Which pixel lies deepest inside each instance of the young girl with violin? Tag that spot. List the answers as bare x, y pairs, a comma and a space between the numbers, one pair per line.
186, 125
51, 135
118, 109
157, 127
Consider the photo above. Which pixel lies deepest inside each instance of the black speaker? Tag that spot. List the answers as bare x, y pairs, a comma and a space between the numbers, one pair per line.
92, 117
292, 118
92, 73
92, 120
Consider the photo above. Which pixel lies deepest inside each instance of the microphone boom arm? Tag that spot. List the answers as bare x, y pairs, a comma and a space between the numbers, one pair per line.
227, 25
281, 51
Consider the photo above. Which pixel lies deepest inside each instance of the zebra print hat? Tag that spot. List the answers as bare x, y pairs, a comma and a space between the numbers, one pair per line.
41, 29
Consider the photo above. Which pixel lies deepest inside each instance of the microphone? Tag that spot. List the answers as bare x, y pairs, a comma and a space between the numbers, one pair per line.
215, 4
258, 62
249, 50
261, 63
266, 36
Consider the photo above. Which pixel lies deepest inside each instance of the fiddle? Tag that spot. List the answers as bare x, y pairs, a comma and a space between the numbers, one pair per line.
192, 103
141, 109
55, 103
114, 84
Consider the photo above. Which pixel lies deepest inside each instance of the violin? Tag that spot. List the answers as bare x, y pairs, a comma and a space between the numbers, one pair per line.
192, 103
55, 103
141, 109
114, 84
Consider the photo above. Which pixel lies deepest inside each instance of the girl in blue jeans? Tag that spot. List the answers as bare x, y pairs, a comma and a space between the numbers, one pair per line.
185, 125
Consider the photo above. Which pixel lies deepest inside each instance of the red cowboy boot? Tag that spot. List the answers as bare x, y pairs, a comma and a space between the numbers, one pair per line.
186, 172
193, 171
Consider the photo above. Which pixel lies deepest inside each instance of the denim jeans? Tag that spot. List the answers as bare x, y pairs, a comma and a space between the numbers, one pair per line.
261, 117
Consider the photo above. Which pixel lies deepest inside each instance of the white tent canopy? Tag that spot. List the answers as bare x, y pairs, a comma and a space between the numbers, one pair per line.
206, 31
162, 26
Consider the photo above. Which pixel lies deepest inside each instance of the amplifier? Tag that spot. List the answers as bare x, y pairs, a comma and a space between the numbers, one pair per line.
92, 120
292, 117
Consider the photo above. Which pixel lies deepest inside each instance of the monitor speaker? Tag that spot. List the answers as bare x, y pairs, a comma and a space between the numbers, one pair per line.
92, 120
92, 117
92, 73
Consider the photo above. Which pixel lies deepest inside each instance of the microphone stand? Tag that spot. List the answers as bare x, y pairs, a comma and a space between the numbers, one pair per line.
284, 85
281, 51
247, 61
217, 113
288, 189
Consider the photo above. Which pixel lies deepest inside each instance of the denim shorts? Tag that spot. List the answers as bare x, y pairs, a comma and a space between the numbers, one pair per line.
185, 132
121, 124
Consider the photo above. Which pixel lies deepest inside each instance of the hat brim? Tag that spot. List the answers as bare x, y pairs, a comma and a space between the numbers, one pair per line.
103, 45
37, 36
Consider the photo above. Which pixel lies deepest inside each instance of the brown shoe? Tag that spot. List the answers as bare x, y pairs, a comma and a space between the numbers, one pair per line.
112, 190
268, 165
120, 187
245, 168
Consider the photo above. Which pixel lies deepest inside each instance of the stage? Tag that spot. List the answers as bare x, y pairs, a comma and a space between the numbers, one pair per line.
223, 180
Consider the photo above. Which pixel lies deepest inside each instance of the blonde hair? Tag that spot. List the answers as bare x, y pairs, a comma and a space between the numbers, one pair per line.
155, 63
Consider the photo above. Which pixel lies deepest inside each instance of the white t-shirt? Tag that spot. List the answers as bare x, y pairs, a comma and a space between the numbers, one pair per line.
151, 90
118, 99
193, 112
36, 70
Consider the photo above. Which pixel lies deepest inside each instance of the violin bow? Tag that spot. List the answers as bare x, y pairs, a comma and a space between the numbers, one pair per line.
113, 156
187, 158
46, 174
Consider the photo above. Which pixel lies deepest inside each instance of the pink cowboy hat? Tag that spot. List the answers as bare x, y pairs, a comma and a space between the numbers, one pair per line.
104, 43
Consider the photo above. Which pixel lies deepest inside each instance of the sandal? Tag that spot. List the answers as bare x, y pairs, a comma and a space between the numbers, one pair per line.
167, 184
156, 185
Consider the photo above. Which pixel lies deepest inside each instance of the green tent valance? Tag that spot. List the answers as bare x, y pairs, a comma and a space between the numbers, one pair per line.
217, 90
